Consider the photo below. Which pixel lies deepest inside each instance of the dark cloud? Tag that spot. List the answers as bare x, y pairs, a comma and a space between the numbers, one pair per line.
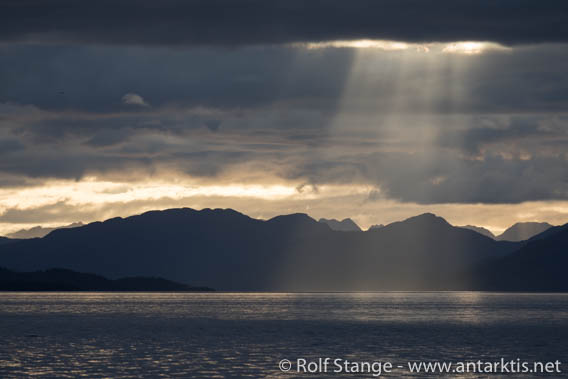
528, 132
69, 162
96, 79
230, 23
488, 158
441, 177
109, 137
213, 125
494, 179
10, 145
422, 127
508, 163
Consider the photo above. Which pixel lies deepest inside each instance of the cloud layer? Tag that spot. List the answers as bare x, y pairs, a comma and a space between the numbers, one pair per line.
230, 23
285, 94
421, 127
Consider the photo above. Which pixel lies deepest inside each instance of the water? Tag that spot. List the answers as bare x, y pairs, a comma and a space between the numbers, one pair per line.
246, 334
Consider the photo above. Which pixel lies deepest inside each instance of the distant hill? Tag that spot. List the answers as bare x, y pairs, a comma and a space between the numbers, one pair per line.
67, 280
345, 225
38, 231
522, 231
227, 250
376, 226
540, 265
480, 230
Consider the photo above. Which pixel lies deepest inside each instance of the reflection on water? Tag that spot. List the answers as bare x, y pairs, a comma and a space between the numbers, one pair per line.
245, 335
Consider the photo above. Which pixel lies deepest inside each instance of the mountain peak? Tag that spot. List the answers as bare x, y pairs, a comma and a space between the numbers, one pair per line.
523, 231
480, 230
429, 218
293, 218
345, 225
426, 222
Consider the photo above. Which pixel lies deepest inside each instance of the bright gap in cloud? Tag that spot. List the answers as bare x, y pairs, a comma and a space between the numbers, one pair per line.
458, 47
64, 202
360, 44
472, 47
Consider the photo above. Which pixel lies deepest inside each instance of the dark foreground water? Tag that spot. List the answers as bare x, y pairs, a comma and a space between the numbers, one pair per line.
246, 335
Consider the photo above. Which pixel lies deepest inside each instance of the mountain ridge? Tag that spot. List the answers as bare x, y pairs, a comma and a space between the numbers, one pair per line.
539, 265
522, 231
345, 225
39, 231
228, 250
480, 230
57, 279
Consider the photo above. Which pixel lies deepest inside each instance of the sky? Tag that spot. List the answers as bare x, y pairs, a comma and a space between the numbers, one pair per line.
374, 110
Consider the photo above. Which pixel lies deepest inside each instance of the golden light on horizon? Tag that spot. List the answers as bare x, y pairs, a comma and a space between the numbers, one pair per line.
62, 202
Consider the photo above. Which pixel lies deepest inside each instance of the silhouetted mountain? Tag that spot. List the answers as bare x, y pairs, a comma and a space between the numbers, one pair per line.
67, 280
4, 240
540, 265
230, 251
548, 232
345, 225
479, 230
522, 231
38, 231
376, 226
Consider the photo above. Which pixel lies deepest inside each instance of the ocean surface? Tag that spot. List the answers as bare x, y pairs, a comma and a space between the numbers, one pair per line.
235, 335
